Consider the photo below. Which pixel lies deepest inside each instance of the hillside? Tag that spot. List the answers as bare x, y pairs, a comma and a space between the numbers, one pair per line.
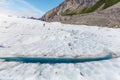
68, 5
98, 12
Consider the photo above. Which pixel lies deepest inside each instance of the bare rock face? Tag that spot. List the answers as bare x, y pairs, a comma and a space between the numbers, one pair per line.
68, 4
78, 4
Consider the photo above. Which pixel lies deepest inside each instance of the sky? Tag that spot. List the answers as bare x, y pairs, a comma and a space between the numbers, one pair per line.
28, 8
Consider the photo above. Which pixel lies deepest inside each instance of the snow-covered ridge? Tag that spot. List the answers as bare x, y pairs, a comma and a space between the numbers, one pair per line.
25, 37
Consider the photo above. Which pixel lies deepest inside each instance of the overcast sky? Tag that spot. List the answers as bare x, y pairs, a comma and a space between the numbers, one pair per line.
29, 8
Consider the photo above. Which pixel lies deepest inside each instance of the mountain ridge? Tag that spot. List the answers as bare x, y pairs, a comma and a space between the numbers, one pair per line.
86, 12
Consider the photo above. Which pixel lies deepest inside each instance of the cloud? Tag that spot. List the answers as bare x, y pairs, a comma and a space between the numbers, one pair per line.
19, 8
3, 2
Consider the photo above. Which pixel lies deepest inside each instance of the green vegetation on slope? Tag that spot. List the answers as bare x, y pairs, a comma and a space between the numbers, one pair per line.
69, 12
104, 3
109, 3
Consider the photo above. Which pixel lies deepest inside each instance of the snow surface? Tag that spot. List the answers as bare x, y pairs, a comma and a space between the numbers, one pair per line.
25, 37
101, 70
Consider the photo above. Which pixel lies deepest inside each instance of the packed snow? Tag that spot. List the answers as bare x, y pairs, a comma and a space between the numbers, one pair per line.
35, 38
101, 70
25, 37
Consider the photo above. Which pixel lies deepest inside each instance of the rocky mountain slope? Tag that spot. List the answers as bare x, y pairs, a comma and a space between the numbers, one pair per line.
68, 5
86, 12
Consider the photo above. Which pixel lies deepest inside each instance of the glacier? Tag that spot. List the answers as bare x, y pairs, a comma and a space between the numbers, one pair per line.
21, 37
